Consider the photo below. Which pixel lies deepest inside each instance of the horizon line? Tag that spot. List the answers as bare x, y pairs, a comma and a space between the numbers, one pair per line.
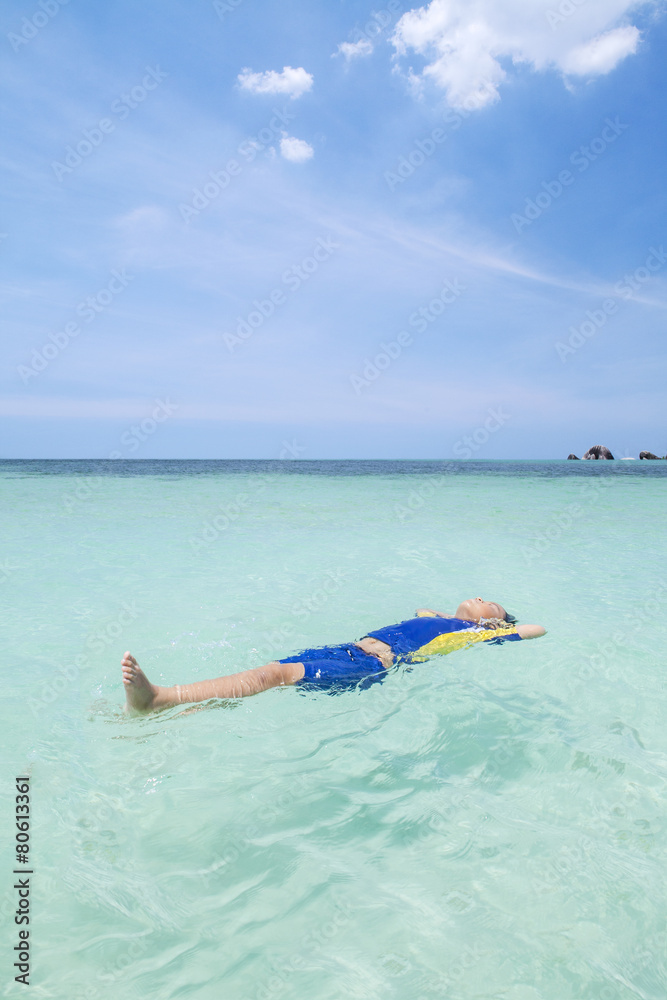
293, 461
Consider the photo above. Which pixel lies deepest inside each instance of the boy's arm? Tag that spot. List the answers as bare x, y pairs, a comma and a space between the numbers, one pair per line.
525, 631
531, 631
429, 613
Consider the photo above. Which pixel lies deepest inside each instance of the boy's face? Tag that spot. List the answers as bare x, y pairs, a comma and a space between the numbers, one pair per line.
477, 607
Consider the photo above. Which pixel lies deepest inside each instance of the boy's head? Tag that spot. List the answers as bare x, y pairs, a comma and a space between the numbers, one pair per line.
476, 608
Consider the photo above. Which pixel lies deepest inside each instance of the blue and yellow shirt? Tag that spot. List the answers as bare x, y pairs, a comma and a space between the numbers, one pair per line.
419, 638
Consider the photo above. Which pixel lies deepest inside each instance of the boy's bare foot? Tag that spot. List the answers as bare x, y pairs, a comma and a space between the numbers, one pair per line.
141, 694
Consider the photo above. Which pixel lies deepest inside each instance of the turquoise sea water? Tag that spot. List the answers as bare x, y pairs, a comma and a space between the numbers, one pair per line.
489, 824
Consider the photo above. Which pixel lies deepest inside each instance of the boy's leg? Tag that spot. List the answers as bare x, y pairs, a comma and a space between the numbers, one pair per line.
142, 696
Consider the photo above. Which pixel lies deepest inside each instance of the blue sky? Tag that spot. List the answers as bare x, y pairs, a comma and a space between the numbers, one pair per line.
250, 229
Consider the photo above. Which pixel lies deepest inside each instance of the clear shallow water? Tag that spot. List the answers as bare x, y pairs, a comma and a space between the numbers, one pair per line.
488, 825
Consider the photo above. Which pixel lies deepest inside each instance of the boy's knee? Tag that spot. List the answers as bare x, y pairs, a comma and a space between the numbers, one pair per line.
286, 673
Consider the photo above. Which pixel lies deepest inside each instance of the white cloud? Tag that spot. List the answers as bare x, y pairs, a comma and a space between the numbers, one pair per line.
293, 82
295, 150
601, 54
465, 41
353, 49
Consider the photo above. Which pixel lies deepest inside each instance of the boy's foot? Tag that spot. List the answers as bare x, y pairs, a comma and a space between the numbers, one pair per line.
140, 693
